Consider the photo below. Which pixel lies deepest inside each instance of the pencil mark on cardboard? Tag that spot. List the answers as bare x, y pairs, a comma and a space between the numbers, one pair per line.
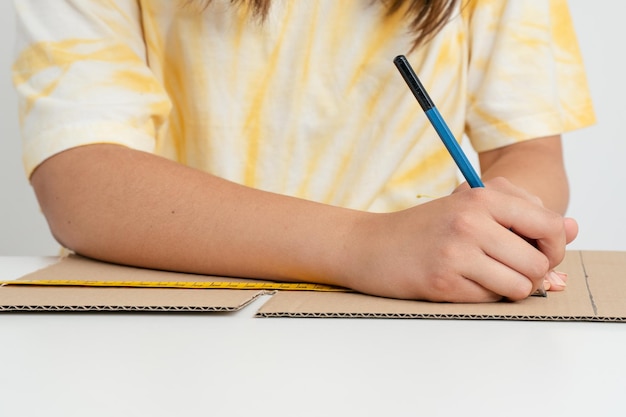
593, 304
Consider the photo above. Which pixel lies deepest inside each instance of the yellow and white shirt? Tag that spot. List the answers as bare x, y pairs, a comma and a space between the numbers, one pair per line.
307, 103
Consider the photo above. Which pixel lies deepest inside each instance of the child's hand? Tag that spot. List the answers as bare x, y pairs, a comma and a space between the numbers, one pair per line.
460, 248
554, 280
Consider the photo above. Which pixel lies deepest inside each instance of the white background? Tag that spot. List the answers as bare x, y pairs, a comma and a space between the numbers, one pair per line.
594, 156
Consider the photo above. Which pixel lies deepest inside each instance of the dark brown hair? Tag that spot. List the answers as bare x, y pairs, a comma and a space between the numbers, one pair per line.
426, 17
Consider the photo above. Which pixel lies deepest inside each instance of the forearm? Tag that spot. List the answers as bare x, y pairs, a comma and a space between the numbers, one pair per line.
536, 166
125, 206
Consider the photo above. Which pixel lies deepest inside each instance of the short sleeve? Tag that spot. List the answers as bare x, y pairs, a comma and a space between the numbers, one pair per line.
81, 75
526, 77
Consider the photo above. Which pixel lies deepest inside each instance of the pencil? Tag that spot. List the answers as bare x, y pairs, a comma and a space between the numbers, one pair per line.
442, 129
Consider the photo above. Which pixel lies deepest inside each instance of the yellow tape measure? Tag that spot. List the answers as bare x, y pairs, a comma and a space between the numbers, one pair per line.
223, 285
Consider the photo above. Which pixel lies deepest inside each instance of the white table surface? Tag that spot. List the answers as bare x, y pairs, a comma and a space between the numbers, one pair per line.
207, 364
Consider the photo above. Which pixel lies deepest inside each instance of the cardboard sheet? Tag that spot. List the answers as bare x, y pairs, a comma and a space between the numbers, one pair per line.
596, 291
34, 298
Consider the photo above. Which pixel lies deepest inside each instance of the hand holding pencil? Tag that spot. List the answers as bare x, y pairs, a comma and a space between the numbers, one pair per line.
476, 257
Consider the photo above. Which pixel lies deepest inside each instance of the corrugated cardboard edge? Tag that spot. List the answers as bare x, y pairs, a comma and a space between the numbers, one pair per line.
84, 299
64, 299
596, 292
436, 316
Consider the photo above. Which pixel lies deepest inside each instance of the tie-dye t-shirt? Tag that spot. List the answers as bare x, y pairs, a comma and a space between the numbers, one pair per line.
306, 103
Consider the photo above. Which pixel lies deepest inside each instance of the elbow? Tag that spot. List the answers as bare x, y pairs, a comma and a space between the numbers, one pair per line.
59, 217
59, 199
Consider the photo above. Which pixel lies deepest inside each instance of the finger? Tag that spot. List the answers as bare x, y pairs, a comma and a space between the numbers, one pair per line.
448, 283
531, 221
515, 252
498, 278
546, 285
554, 245
555, 282
562, 275
506, 247
571, 229
463, 290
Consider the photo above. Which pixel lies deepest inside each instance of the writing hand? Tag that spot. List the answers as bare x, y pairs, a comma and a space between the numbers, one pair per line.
460, 248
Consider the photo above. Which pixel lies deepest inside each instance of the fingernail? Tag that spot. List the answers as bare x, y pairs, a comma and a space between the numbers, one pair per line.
557, 279
546, 284
562, 275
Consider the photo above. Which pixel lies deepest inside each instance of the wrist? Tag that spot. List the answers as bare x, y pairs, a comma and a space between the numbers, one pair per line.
355, 250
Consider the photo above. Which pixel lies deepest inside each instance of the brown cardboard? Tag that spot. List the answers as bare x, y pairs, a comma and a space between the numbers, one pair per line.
596, 291
122, 299
33, 298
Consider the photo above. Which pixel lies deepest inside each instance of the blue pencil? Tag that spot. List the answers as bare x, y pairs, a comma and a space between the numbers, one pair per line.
437, 121
442, 129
